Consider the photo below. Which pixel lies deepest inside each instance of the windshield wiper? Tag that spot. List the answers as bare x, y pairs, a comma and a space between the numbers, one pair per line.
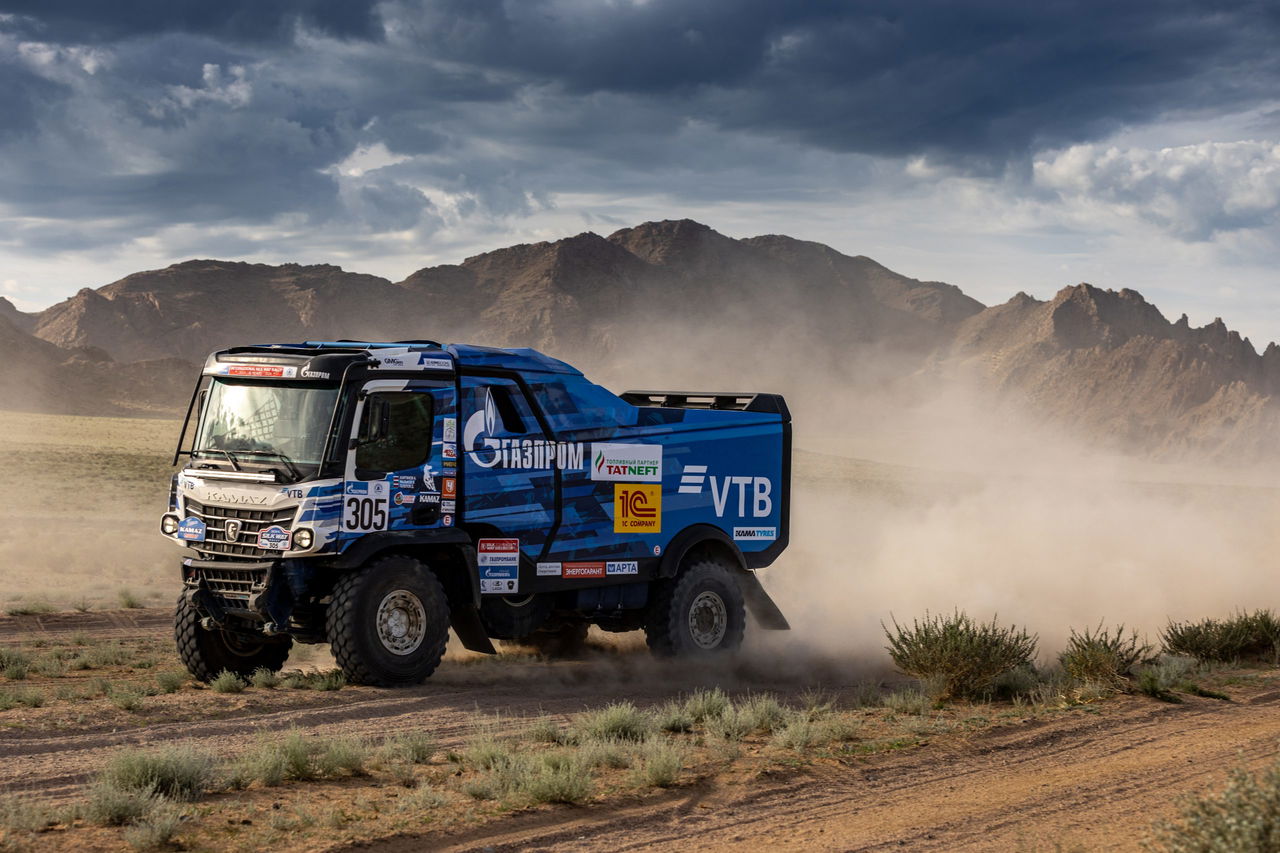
230, 458
293, 469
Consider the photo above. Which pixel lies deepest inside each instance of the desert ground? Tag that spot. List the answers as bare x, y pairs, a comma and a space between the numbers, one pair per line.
807, 740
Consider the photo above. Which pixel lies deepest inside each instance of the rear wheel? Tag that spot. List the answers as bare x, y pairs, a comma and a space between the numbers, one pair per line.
207, 653
699, 613
388, 624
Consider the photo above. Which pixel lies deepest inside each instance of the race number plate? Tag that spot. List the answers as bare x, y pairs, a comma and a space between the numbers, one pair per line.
364, 506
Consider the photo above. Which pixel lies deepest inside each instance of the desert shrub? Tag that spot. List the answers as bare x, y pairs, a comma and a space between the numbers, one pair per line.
544, 730
156, 829
1102, 655
487, 752
31, 608
909, 701
110, 654
14, 698
706, 704
1244, 637
423, 799
331, 680
798, 735
673, 717
604, 753
14, 664
170, 682
49, 666
661, 761
264, 764
129, 600
413, 747
556, 778
963, 658
126, 697
1244, 817
227, 682
176, 772
619, 721
111, 805
342, 756
1159, 679
264, 678
22, 814
763, 713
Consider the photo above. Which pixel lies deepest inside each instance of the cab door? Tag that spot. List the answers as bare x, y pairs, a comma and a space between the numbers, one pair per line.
396, 466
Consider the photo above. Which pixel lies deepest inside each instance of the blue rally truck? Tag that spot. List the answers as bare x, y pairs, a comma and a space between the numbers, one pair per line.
373, 495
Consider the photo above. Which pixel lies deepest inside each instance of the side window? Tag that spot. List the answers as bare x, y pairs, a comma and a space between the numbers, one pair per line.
395, 432
508, 418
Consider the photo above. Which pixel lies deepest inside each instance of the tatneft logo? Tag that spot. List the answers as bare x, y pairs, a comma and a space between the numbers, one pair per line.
483, 448
633, 463
756, 491
637, 508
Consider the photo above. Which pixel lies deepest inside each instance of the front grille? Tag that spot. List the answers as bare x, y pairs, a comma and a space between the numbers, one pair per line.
232, 587
244, 546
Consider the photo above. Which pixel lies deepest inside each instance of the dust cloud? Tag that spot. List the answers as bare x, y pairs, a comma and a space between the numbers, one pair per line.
915, 492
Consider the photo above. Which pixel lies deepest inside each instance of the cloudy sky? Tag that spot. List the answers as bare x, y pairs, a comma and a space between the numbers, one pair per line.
1000, 146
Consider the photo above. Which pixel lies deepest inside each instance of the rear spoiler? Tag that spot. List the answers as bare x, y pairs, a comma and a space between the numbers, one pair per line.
724, 400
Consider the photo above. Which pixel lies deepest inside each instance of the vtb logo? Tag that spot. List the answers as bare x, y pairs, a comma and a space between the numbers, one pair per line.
637, 508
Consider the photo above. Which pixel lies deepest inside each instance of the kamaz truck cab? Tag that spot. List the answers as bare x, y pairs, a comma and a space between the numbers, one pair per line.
373, 495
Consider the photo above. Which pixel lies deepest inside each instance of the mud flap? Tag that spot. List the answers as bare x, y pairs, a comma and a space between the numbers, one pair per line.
766, 613
466, 623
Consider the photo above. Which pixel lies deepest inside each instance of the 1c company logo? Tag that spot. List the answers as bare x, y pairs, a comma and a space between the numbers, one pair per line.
637, 508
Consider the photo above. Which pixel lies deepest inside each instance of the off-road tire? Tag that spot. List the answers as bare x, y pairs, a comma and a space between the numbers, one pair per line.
352, 622
207, 653
567, 641
707, 584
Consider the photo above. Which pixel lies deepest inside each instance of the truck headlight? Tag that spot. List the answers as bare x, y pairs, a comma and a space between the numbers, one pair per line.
302, 538
169, 525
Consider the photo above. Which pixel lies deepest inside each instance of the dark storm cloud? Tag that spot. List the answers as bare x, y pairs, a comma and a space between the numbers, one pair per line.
163, 113
245, 20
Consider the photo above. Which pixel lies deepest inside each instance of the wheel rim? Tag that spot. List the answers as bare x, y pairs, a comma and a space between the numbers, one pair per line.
708, 620
402, 622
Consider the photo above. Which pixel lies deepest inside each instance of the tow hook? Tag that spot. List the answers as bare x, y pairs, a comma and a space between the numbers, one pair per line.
208, 624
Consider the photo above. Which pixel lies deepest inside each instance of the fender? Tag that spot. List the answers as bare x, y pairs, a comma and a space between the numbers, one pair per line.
762, 607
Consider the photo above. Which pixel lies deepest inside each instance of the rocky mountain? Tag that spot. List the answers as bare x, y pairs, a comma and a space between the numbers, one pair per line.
1094, 360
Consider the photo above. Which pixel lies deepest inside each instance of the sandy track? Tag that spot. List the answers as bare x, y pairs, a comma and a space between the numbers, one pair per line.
106, 624
1093, 780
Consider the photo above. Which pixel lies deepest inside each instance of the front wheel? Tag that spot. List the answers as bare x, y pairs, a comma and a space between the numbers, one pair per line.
699, 613
388, 624
207, 653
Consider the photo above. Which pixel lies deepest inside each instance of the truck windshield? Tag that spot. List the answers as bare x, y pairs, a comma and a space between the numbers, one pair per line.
282, 425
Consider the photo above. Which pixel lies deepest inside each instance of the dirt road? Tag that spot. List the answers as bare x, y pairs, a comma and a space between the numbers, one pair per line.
1089, 781
1093, 777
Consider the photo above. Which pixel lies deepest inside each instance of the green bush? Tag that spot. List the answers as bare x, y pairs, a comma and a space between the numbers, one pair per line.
660, 763
176, 772
413, 747
227, 682
1244, 637
264, 678
1102, 656
706, 704
1243, 818
170, 682
112, 805
909, 701
556, 778
673, 717
962, 658
155, 830
619, 721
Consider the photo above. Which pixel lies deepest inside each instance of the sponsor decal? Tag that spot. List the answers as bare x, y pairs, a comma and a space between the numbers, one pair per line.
401, 499
754, 534
191, 529
498, 558
447, 506
291, 493
426, 499
428, 479
622, 567
582, 570
365, 506
449, 487
449, 428
314, 374
548, 570
754, 494
391, 361
499, 586
447, 521
274, 538
233, 498
637, 508
627, 462
264, 371
189, 483
428, 363
485, 449
657, 550
449, 451
406, 482
451, 463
